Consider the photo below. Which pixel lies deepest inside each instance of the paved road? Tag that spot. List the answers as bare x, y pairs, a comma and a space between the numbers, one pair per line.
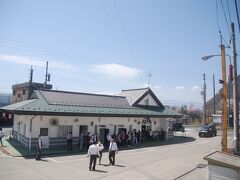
159, 162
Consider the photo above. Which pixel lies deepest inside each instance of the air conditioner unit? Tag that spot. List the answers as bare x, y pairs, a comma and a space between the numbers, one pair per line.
54, 122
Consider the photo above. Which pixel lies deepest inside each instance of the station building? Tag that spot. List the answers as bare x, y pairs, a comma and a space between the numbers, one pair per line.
53, 113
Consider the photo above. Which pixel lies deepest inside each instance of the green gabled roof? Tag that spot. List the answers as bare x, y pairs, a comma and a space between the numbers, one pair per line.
18, 105
42, 107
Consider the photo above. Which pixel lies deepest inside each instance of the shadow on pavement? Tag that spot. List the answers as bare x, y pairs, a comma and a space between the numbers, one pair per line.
16, 149
117, 165
101, 171
170, 141
43, 160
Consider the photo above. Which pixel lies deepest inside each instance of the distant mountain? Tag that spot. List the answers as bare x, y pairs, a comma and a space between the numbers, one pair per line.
5, 99
218, 99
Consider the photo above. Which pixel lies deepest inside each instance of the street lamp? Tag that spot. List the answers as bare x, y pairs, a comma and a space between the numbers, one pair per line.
230, 76
224, 96
205, 58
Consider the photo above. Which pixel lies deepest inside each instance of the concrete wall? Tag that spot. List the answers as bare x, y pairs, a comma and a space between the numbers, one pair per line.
22, 124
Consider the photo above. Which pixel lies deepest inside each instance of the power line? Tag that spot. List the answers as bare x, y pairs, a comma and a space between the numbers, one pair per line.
53, 51
229, 14
110, 23
236, 6
228, 27
124, 32
219, 29
93, 62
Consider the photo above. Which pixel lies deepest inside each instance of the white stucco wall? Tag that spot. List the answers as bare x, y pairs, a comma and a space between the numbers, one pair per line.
44, 122
222, 173
150, 99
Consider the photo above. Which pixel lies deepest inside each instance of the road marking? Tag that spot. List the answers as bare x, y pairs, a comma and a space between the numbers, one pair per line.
64, 161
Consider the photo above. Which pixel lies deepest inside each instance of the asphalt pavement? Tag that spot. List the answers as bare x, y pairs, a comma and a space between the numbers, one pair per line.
160, 162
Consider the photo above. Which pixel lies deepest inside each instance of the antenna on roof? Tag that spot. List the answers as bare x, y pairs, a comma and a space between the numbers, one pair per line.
149, 77
31, 75
30, 82
47, 76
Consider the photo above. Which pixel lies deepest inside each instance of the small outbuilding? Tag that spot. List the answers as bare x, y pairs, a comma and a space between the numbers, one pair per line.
53, 114
223, 166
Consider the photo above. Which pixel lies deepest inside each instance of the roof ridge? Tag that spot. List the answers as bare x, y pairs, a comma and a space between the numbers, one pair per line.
135, 89
82, 93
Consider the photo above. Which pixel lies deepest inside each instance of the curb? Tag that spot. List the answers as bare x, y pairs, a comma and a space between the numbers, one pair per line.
5, 151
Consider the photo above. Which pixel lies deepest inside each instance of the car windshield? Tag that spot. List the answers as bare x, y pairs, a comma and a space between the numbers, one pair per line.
204, 127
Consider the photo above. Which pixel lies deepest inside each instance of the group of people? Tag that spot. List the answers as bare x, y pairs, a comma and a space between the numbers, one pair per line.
132, 137
95, 151
122, 138
84, 141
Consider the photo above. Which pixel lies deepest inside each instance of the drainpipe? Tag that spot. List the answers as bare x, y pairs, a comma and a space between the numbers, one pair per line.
30, 133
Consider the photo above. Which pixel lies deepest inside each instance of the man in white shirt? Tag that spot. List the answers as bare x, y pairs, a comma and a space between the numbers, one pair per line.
93, 152
113, 149
100, 148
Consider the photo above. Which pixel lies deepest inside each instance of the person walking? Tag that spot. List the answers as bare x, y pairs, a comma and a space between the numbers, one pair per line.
93, 152
80, 142
39, 148
1, 136
69, 141
88, 140
113, 149
100, 148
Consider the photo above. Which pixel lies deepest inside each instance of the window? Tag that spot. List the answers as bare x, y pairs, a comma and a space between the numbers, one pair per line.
14, 92
19, 95
147, 101
43, 131
23, 92
64, 130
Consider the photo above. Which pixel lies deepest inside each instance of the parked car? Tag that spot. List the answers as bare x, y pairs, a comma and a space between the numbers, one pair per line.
208, 131
178, 126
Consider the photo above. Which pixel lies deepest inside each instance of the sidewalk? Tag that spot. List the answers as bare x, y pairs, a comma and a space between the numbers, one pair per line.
15, 149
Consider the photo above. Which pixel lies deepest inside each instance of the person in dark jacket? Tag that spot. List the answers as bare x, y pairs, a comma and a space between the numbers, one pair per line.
39, 148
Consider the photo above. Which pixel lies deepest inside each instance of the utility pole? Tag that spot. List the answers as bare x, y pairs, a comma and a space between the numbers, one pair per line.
214, 97
235, 91
224, 97
204, 99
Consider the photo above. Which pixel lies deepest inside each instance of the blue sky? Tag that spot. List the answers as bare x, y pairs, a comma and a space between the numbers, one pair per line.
104, 46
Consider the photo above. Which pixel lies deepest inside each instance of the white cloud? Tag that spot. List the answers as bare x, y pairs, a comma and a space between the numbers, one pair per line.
195, 88
180, 87
115, 71
35, 62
